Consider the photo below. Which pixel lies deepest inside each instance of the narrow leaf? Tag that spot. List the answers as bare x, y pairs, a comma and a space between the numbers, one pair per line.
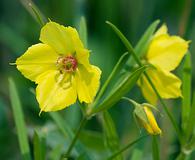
111, 136
19, 121
34, 11
83, 31
121, 89
186, 90
143, 43
39, 145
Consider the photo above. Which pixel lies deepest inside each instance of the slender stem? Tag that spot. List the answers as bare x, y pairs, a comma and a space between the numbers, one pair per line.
155, 148
125, 148
82, 124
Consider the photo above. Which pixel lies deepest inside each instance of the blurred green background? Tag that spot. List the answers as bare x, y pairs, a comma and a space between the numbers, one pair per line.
18, 31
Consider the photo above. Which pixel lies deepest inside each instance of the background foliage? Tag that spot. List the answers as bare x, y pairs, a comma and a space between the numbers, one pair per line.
18, 31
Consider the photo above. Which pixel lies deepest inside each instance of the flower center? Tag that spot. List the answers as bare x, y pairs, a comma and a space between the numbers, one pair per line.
67, 63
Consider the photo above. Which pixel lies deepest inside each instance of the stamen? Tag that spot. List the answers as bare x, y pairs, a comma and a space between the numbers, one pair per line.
67, 64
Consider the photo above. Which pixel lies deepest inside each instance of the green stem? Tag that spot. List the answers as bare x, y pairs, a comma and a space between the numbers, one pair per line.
125, 148
155, 148
132, 52
82, 124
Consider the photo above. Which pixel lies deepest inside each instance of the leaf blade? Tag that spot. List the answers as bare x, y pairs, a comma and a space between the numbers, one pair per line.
39, 145
19, 120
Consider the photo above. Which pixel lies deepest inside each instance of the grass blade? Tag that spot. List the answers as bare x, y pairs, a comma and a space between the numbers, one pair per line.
111, 136
39, 145
19, 120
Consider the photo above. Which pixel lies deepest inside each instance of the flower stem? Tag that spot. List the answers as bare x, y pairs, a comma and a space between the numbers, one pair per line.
82, 124
155, 148
125, 148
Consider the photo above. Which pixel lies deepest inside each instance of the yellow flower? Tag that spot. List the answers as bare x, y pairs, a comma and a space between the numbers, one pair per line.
165, 52
151, 126
60, 66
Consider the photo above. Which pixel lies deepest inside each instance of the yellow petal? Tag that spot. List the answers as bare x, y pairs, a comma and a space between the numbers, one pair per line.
82, 56
152, 126
60, 38
166, 83
162, 30
87, 83
36, 60
75, 37
55, 91
166, 51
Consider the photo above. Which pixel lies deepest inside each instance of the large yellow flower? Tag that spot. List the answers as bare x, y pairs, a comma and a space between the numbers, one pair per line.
165, 52
60, 66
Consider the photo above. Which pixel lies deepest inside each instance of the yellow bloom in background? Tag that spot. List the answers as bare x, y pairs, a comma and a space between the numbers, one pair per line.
151, 126
60, 66
165, 53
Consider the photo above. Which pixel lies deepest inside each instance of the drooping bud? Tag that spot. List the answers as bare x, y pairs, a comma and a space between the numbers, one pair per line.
145, 117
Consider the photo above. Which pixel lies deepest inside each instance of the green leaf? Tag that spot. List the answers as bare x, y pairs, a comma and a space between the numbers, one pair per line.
39, 144
83, 31
142, 45
155, 149
19, 120
186, 90
121, 89
68, 133
111, 136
